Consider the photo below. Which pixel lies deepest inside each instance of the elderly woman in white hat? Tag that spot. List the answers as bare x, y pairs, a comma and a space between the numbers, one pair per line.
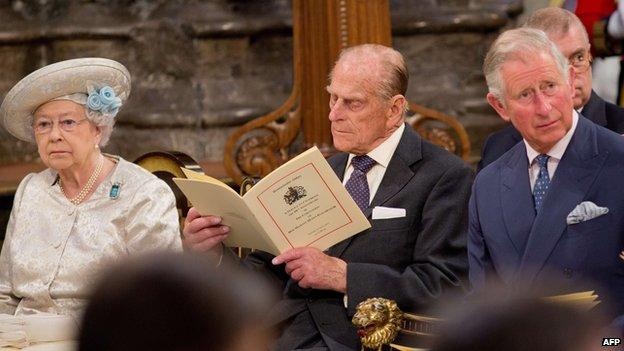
87, 208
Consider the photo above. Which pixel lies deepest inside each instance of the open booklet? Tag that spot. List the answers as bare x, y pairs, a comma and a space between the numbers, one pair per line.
301, 203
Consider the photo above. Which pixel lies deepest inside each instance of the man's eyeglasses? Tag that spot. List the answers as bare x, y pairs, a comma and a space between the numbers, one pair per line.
580, 61
44, 126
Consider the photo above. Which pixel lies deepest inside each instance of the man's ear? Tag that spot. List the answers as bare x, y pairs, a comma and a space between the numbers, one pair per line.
397, 107
498, 106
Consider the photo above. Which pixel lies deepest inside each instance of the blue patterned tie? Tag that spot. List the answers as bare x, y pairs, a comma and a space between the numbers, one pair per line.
543, 182
357, 186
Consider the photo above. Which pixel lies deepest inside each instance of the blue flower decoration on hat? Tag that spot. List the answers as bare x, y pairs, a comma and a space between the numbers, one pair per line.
104, 101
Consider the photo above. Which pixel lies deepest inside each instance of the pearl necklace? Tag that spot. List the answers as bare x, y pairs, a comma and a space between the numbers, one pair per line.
87, 188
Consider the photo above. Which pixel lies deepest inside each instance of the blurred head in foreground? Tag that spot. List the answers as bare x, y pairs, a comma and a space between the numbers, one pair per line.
520, 324
173, 302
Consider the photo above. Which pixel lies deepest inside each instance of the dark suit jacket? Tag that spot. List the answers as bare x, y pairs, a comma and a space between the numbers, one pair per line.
412, 260
596, 110
509, 243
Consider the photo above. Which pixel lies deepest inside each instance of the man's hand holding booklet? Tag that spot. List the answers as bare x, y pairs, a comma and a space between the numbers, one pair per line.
301, 203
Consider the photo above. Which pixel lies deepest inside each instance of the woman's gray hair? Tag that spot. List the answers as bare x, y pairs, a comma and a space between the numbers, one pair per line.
104, 122
512, 44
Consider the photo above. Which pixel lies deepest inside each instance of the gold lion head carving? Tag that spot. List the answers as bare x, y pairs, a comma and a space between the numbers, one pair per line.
378, 321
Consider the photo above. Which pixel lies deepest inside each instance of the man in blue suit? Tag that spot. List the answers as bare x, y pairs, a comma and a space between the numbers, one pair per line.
570, 37
551, 208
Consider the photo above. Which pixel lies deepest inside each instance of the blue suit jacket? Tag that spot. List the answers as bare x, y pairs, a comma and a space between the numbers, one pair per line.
509, 243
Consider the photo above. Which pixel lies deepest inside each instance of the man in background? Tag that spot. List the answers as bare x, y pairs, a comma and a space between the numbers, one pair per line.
569, 35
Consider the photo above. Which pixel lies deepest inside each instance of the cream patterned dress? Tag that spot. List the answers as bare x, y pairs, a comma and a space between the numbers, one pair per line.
54, 250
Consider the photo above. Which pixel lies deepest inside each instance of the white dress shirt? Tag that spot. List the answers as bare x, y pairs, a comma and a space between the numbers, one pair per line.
555, 153
382, 155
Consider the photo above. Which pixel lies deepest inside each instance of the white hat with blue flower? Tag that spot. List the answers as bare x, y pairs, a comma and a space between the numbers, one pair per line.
101, 85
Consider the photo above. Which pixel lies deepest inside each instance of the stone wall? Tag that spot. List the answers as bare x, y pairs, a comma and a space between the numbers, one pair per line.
201, 68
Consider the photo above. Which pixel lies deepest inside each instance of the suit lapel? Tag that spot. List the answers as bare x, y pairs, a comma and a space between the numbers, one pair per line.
339, 164
399, 171
516, 198
397, 175
575, 173
595, 110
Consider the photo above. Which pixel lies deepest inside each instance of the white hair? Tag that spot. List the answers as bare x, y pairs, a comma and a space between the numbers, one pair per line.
511, 45
392, 76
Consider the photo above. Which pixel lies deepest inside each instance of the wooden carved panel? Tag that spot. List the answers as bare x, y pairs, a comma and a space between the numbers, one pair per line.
440, 129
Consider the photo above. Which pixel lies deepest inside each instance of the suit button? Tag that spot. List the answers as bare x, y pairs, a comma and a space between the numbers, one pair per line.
567, 272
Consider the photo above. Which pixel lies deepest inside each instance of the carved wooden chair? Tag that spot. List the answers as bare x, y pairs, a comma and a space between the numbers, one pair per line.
167, 165
440, 129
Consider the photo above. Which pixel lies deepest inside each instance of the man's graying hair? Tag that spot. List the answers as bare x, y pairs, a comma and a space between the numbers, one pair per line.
556, 22
517, 44
394, 77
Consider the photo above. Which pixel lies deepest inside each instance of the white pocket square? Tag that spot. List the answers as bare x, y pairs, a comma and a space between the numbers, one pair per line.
380, 212
585, 211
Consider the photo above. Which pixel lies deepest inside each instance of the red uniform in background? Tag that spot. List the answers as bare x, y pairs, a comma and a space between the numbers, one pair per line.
591, 12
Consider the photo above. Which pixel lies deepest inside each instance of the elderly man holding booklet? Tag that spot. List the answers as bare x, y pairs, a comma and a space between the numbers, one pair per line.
413, 194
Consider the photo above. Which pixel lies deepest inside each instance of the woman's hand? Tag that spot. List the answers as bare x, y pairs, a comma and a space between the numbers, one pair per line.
204, 233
